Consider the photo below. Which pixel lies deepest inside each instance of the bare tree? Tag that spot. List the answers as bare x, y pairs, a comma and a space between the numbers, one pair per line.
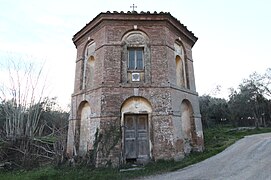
23, 106
22, 93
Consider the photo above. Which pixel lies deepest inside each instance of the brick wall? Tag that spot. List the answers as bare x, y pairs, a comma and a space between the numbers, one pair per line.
112, 87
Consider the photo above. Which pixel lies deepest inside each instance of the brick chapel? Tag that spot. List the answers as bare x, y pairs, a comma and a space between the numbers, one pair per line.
134, 97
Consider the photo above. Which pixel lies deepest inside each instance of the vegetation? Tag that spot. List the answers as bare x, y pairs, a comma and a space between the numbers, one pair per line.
33, 129
249, 105
216, 140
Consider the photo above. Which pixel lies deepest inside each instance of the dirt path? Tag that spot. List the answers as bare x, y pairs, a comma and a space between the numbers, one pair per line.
248, 158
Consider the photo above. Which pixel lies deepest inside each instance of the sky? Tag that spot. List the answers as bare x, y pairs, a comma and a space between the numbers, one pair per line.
234, 37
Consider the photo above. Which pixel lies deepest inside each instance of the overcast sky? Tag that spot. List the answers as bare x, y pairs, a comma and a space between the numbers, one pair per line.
234, 36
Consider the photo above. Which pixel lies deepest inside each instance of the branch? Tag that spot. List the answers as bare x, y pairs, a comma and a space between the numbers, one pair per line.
43, 148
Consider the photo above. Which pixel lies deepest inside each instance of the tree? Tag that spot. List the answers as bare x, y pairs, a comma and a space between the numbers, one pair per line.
23, 98
32, 129
213, 110
262, 82
249, 105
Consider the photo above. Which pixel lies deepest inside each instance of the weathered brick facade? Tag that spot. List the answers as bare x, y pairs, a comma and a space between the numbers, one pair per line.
122, 114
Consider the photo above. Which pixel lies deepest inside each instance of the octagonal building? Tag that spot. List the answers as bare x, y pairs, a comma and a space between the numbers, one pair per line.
134, 97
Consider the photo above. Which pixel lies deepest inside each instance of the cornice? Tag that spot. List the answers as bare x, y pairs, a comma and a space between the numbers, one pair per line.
135, 16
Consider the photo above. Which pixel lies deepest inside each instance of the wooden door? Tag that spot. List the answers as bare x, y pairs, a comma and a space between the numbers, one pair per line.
130, 137
136, 139
142, 136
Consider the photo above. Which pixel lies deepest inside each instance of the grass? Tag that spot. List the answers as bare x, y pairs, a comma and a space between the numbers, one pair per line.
216, 140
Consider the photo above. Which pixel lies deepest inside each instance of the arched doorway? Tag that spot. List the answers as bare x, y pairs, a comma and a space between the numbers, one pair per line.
188, 122
136, 113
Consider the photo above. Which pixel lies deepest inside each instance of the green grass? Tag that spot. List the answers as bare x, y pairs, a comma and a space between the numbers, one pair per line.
216, 140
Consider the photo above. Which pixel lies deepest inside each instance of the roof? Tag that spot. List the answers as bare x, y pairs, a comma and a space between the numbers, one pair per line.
134, 15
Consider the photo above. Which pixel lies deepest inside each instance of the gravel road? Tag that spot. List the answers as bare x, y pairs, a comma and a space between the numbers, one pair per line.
248, 158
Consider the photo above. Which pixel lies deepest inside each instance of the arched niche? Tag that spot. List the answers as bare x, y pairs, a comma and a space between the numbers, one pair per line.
88, 69
188, 121
86, 129
182, 79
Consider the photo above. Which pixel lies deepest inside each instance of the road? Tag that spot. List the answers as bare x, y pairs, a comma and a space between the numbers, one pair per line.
248, 158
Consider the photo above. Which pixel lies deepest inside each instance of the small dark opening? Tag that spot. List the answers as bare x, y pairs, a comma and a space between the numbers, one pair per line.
131, 161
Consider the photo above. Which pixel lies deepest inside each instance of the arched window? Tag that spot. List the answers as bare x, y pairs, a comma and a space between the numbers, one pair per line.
136, 57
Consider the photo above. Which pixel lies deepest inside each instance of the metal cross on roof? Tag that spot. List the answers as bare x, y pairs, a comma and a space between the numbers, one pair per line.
133, 6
